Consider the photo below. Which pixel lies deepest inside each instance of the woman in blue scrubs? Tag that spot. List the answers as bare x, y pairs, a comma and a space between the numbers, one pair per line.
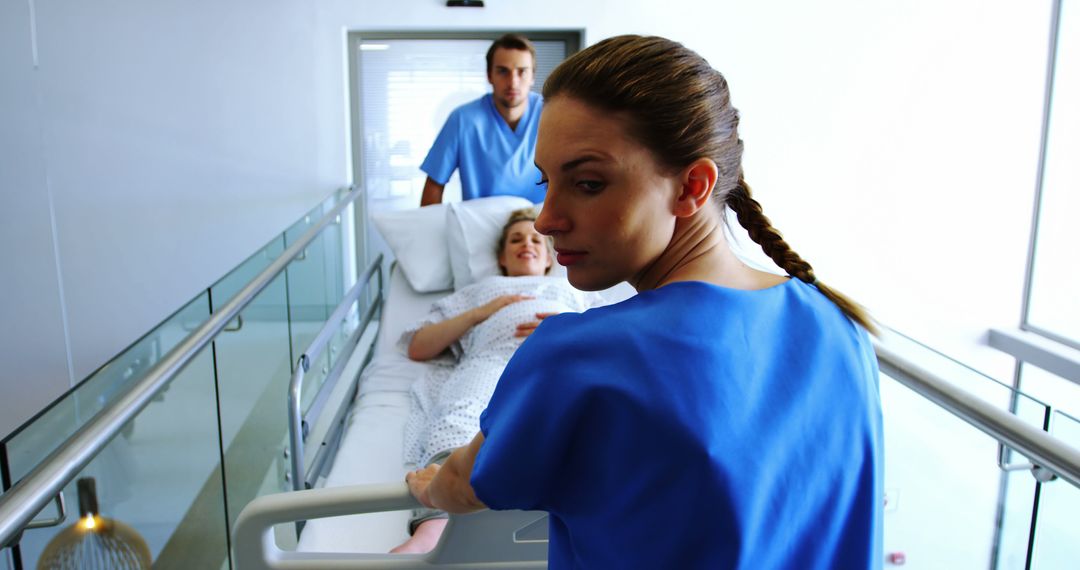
724, 417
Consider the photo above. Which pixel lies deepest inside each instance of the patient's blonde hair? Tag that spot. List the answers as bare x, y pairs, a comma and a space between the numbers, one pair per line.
522, 215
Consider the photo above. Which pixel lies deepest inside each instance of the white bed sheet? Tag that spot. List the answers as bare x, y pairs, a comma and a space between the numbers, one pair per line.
371, 448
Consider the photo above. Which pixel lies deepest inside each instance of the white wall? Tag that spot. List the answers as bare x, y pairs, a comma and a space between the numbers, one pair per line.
895, 144
174, 139
32, 340
155, 145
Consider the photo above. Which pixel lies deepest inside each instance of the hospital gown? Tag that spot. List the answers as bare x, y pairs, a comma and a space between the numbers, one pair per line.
448, 400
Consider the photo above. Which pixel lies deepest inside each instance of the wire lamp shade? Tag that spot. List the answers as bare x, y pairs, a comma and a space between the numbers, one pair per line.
95, 542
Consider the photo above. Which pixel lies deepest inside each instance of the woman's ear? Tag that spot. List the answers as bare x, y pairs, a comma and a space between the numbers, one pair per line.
697, 180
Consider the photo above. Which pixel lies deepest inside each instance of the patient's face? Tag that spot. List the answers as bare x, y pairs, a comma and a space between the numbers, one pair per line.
609, 205
525, 252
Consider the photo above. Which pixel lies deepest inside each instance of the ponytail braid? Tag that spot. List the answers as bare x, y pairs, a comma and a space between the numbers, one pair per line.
680, 108
757, 225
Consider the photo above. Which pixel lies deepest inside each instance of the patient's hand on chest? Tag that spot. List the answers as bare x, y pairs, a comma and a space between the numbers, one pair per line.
501, 329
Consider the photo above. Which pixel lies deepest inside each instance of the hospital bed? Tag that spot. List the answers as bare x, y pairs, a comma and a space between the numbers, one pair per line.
358, 508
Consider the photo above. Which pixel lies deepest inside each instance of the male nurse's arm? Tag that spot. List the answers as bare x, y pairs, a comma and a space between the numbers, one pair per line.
432, 193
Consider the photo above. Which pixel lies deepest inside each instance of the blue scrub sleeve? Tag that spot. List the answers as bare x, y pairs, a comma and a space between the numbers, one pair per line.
442, 159
529, 424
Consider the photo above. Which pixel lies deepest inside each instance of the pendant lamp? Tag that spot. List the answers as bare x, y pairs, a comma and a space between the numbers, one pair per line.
95, 542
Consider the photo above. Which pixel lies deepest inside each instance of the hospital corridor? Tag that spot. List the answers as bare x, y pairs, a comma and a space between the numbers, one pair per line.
216, 267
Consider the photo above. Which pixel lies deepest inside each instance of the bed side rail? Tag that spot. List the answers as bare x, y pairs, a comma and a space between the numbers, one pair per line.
298, 421
484, 540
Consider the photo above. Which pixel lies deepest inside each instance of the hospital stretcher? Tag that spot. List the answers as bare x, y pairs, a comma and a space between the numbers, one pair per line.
360, 508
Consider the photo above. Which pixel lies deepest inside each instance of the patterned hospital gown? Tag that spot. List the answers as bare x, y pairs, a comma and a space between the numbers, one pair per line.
448, 400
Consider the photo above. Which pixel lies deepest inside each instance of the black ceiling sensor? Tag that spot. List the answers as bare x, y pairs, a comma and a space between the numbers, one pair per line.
464, 3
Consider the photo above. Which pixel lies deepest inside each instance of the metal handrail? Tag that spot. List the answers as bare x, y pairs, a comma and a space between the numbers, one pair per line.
297, 433
26, 498
1044, 450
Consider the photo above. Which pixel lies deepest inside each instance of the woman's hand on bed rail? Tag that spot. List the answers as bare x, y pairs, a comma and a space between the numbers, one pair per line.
419, 481
448, 487
433, 339
526, 329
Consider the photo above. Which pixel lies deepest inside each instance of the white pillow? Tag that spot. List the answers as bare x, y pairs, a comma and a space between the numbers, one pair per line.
418, 239
472, 229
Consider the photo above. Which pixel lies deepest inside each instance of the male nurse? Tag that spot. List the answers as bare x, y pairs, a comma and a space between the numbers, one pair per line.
492, 140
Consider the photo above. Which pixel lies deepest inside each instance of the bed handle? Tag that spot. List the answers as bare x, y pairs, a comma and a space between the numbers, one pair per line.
480, 540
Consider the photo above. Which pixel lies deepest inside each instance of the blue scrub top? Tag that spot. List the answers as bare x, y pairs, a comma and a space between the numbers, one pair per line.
494, 160
694, 426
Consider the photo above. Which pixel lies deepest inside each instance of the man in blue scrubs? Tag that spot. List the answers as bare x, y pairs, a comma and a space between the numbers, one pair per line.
492, 140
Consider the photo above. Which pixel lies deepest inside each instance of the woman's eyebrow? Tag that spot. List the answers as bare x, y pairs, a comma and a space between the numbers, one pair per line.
568, 166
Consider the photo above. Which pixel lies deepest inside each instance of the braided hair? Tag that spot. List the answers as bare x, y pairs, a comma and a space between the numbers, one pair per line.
679, 107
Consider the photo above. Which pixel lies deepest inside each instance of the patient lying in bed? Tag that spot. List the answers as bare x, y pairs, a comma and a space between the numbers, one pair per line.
472, 334
447, 402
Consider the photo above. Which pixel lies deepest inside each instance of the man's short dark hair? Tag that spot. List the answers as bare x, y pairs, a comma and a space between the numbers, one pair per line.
510, 41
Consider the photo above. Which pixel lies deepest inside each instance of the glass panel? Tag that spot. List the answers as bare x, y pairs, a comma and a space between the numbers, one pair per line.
1057, 536
338, 280
316, 285
1060, 393
942, 482
992, 390
1057, 497
166, 481
1018, 492
1055, 281
254, 369
344, 330
356, 221
161, 475
339, 274
308, 299
28, 445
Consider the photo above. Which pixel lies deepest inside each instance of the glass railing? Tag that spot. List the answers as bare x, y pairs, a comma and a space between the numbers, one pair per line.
1056, 536
152, 472
215, 438
955, 497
